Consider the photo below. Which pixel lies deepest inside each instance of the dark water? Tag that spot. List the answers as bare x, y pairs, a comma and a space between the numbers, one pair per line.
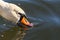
38, 11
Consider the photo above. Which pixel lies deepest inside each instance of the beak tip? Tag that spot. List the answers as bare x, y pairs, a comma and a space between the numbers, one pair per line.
31, 25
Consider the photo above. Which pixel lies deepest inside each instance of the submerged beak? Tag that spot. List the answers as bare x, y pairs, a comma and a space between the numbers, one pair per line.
26, 22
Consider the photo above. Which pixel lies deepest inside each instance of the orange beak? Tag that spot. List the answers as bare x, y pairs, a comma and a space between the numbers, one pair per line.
26, 22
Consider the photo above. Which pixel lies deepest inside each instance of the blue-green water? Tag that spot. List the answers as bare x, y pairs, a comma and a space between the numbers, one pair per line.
38, 11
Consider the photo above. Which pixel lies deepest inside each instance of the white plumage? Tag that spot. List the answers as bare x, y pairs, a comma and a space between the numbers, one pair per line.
10, 11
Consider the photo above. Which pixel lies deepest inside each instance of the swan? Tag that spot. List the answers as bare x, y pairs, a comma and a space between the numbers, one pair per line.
14, 13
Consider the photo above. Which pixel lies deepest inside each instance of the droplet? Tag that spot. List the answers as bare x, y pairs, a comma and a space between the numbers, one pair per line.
4, 24
2, 35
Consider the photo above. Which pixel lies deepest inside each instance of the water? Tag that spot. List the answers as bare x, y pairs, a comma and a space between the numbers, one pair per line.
38, 11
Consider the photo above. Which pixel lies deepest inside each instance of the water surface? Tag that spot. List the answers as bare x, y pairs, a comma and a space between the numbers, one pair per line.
38, 11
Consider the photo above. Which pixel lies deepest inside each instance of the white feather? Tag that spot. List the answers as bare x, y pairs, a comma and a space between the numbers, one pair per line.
10, 11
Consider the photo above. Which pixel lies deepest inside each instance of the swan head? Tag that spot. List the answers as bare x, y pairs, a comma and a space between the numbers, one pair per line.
24, 22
